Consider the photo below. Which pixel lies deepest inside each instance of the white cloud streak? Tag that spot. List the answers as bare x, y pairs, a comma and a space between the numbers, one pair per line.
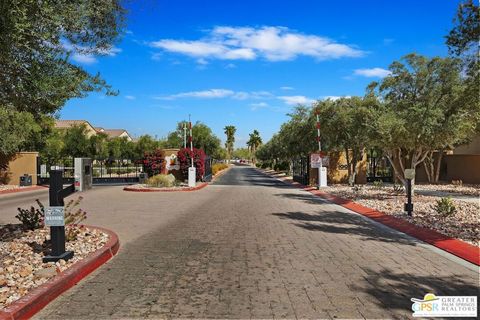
372, 73
269, 43
294, 100
218, 93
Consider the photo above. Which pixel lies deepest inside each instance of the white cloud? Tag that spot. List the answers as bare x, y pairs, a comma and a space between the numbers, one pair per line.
373, 72
287, 88
255, 106
247, 43
130, 97
334, 97
84, 58
294, 100
205, 94
218, 93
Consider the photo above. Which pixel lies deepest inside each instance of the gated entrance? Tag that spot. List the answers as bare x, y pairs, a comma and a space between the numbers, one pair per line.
301, 170
379, 168
207, 177
104, 171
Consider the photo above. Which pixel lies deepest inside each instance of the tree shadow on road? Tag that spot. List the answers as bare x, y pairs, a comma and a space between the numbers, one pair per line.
394, 290
345, 223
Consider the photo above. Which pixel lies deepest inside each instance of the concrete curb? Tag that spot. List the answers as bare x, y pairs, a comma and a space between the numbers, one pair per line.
38, 298
32, 188
200, 186
454, 246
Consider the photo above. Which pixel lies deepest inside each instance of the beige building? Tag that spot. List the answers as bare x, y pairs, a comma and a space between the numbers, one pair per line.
65, 124
91, 130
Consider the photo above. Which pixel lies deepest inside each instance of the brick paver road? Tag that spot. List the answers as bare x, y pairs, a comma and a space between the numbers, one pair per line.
250, 247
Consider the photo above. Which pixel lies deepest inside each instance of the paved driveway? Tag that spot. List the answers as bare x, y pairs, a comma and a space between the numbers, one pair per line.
251, 247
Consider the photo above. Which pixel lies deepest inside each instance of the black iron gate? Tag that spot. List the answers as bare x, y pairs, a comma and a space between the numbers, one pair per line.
379, 168
104, 171
207, 176
300, 170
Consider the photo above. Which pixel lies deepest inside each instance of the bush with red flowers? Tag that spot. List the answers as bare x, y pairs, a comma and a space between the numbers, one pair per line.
154, 162
184, 157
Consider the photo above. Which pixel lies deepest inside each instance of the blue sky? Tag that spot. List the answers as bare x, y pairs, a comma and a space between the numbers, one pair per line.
247, 63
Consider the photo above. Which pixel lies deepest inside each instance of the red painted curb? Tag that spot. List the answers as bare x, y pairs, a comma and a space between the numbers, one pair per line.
22, 189
200, 186
38, 298
454, 246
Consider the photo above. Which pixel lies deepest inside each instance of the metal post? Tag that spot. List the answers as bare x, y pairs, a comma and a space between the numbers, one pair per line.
319, 150
191, 138
57, 234
409, 204
184, 135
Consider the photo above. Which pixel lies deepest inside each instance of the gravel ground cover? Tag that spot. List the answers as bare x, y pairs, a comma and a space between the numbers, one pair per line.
464, 224
470, 189
21, 252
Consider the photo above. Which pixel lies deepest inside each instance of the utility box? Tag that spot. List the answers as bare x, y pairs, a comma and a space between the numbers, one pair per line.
142, 177
83, 174
25, 180
192, 173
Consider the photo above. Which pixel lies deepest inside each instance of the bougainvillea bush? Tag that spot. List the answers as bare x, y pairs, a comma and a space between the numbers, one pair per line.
154, 162
184, 157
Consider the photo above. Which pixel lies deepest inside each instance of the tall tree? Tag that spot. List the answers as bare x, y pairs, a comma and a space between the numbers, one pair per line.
253, 143
345, 127
145, 143
98, 148
421, 111
76, 142
203, 138
16, 128
36, 42
230, 133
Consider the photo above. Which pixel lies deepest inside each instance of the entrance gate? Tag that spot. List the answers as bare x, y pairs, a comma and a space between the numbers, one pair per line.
104, 171
301, 170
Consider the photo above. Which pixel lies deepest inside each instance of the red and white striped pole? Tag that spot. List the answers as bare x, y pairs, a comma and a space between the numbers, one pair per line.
190, 139
320, 169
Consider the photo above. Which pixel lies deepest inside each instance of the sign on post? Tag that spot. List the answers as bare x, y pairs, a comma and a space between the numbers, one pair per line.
55, 216
410, 174
318, 158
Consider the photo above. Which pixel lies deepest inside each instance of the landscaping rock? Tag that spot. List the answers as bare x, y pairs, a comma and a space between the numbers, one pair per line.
21, 266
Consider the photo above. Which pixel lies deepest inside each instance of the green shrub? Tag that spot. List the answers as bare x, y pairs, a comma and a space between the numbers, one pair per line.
282, 166
161, 180
32, 218
73, 217
217, 167
445, 206
398, 188
378, 184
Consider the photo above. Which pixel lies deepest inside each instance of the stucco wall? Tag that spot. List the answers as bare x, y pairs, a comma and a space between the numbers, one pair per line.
337, 171
463, 167
471, 148
23, 163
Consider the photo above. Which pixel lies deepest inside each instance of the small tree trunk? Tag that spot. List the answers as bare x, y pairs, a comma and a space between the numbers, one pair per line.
349, 169
437, 165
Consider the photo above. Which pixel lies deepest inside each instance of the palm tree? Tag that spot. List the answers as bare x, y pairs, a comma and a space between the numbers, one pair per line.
253, 143
230, 132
